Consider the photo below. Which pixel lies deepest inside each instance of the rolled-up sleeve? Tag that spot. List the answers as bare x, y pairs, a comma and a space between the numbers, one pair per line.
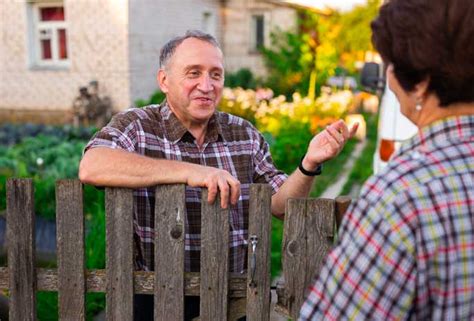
264, 169
120, 133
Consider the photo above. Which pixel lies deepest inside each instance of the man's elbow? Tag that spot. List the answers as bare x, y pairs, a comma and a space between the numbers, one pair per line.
86, 174
83, 174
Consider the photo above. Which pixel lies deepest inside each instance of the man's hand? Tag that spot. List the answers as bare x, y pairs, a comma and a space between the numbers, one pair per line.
328, 144
104, 166
216, 180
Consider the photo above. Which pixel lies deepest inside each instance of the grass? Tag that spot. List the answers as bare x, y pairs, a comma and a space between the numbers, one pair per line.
363, 166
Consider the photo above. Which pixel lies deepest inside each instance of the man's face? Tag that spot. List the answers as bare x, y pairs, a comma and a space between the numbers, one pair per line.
193, 81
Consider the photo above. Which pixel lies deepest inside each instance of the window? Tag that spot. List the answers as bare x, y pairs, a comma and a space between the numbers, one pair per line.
207, 22
257, 36
49, 35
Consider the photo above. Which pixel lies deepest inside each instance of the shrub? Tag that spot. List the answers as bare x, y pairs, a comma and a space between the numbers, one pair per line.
54, 154
243, 78
156, 98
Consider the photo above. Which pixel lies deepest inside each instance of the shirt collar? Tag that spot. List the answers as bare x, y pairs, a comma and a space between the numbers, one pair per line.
440, 133
175, 130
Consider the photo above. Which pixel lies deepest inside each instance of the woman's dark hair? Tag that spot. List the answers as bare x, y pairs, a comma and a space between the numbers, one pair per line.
429, 39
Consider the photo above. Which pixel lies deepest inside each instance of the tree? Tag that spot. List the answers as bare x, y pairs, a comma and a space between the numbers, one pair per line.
302, 61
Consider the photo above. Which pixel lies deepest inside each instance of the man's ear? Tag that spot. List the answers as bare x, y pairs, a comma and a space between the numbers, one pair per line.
162, 81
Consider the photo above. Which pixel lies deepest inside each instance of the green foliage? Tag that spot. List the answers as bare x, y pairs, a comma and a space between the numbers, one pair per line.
363, 167
156, 98
332, 169
276, 246
301, 61
290, 145
286, 64
354, 34
46, 158
243, 78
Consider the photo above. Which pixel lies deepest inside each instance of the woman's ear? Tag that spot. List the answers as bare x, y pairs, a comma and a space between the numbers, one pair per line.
162, 81
421, 89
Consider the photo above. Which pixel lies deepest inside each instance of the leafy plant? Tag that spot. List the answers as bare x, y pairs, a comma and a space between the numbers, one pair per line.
54, 153
156, 98
243, 78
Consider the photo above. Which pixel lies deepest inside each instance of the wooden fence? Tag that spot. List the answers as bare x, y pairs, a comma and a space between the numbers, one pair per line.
308, 233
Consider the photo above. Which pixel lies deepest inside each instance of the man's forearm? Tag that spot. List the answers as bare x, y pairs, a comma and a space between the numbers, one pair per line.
296, 186
104, 166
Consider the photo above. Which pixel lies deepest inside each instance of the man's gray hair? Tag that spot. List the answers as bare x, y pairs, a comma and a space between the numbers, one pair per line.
169, 48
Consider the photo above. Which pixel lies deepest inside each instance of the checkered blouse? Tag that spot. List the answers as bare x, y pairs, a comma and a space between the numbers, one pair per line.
406, 248
231, 143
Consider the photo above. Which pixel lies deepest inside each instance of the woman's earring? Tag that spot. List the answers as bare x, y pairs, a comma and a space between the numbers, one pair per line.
418, 106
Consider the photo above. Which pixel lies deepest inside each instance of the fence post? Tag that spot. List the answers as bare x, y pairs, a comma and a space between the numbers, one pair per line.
258, 267
342, 203
21, 249
70, 248
119, 254
170, 220
214, 260
308, 234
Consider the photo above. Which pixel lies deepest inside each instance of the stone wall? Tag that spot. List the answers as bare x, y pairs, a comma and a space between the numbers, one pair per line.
98, 50
237, 30
152, 24
117, 43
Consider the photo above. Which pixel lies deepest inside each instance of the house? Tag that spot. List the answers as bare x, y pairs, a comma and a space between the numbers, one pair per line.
52, 48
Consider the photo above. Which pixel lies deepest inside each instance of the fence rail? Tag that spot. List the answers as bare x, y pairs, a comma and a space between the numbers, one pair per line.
308, 233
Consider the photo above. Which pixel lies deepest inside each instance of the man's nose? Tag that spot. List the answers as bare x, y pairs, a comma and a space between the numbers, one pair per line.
205, 83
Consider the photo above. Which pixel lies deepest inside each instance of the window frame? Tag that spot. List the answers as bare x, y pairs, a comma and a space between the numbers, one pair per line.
37, 25
254, 46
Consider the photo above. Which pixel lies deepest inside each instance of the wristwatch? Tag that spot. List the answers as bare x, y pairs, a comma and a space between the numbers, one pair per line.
317, 171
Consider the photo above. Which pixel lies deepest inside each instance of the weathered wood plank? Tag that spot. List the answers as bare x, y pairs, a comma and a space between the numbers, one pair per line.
307, 238
143, 282
70, 249
319, 238
119, 254
294, 251
214, 260
21, 249
170, 220
342, 203
258, 290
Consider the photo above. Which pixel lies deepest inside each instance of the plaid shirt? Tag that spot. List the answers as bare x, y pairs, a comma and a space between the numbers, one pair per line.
406, 247
231, 143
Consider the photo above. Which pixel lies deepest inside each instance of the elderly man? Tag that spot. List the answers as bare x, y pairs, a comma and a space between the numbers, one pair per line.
185, 140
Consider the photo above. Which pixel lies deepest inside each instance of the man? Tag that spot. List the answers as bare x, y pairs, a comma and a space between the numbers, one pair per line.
185, 140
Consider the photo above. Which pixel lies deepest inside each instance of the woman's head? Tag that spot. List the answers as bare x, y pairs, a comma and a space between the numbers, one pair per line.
429, 40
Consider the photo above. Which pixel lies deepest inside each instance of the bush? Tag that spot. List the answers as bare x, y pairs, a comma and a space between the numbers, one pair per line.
155, 99
243, 78
11, 134
290, 144
55, 154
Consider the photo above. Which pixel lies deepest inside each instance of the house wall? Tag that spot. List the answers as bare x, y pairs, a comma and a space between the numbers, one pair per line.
117, 43
98, 50
152, 24
237, 31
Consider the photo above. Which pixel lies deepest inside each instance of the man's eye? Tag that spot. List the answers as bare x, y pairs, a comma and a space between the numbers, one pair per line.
216, 76
194, 73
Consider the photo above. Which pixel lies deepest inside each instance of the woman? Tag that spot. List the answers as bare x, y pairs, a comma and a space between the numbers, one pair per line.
406, 248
